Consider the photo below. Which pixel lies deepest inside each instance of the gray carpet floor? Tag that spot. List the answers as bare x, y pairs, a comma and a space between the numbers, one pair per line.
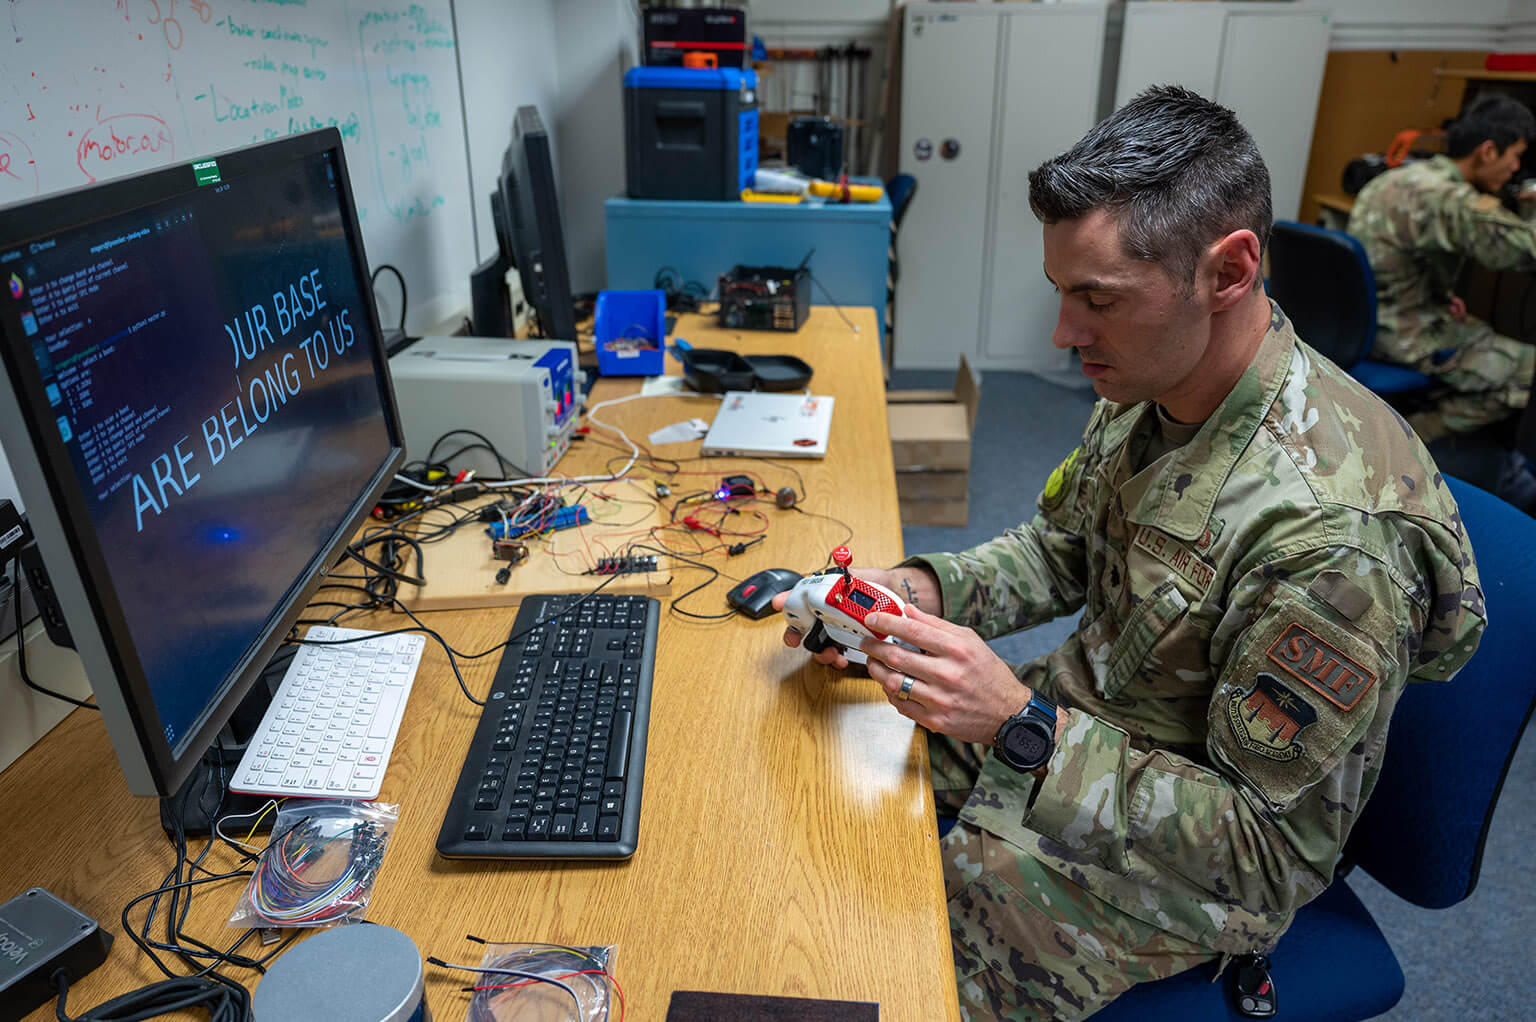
1462, 964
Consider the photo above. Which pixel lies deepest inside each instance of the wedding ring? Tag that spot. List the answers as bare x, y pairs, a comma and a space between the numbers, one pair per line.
906, 686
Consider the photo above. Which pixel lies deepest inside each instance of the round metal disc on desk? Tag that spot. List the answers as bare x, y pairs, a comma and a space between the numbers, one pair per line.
358, 973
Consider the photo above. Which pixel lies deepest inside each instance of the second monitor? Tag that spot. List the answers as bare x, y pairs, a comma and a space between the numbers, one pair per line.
525, 209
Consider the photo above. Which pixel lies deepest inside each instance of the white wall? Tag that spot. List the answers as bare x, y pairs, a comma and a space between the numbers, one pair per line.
508, 59
1426, 24
1521, 35
596, 41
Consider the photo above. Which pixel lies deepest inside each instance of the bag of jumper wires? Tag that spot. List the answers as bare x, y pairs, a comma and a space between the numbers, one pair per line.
543, 983
319, 864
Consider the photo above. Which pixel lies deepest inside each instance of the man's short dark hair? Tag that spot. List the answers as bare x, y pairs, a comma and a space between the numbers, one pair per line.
1491, 117
1177, 171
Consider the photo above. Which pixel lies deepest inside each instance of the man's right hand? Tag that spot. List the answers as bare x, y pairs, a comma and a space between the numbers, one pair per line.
917, 586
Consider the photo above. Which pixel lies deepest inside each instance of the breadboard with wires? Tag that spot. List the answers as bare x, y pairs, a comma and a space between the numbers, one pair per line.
462, 567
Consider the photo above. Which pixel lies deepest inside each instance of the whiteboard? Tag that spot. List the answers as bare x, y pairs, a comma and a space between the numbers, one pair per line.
93, 89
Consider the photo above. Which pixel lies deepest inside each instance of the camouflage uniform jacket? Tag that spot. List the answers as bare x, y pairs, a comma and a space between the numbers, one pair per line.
1254, 602
1419, 225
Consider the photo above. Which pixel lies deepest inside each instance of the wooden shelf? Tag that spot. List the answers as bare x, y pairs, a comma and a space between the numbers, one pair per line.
1470, 74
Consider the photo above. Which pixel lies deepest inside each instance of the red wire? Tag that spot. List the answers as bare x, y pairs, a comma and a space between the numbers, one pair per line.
584, 972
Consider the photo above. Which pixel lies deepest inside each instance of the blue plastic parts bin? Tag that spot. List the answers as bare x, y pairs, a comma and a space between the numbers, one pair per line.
631, 331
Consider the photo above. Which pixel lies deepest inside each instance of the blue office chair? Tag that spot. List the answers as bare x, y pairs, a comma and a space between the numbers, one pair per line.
1323, 281
1422, 833
899, 189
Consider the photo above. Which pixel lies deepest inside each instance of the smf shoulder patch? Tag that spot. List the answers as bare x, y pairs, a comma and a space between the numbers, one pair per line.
1267, 718
1320, 666
1056, 484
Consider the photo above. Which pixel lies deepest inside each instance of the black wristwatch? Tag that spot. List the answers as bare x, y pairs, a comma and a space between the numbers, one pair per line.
1026, 739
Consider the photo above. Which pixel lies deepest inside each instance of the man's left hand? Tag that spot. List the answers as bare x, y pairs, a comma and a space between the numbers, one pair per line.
959, 686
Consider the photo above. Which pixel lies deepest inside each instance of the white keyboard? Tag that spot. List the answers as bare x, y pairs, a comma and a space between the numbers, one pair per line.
332, 724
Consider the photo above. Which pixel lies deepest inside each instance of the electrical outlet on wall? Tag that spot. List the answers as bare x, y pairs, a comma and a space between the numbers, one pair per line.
522, 312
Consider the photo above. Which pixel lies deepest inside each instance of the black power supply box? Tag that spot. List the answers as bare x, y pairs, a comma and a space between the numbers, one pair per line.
39, 935
765, 297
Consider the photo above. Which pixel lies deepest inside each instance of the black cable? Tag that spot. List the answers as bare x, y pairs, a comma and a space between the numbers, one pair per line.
837, 521
352, 552
799, 479
21, 651
374, 281
500, 460
224, 999
681, 295
673, 605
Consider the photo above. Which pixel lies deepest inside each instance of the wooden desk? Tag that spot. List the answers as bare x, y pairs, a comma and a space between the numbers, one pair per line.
787, 840
1333, 210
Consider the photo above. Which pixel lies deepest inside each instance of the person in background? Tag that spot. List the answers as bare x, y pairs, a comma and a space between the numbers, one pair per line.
1264, 554
1421, 223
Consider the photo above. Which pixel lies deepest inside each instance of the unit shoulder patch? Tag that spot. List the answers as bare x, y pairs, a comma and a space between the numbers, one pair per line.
1061, 475
1268, 719
1321, 666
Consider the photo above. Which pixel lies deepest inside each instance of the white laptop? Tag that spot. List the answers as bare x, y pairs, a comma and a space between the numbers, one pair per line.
754, 425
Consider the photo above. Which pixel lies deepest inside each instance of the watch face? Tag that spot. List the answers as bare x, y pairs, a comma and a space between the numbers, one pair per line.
1026, 744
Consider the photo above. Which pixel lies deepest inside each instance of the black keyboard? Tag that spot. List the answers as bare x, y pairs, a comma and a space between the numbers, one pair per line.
555, 767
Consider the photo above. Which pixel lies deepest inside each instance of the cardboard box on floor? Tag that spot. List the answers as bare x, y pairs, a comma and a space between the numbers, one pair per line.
931, 429
956, 513
931, 445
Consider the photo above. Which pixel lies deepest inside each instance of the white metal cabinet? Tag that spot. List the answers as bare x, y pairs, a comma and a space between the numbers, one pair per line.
1036, 119
1006, 86
1263, 60
947, 66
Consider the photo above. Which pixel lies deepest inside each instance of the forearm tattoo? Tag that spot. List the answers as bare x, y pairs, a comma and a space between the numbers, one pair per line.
911, 593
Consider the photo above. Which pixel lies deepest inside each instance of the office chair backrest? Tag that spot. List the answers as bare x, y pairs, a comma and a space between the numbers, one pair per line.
900, 189
1323, 281
1421, 834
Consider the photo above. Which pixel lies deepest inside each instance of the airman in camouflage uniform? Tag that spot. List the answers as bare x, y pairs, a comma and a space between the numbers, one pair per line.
1420, 225
1264, 554
1253, 603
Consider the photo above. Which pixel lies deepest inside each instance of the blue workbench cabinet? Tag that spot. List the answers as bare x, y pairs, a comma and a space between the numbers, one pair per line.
701, 240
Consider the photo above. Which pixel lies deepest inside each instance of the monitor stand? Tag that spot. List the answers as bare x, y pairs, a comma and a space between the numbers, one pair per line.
205, 796
491, 299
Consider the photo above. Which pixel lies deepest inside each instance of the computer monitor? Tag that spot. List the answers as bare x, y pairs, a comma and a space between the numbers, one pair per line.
199, 416
525, 211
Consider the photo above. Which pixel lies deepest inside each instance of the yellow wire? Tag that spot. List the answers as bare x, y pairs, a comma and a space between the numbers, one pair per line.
264, 812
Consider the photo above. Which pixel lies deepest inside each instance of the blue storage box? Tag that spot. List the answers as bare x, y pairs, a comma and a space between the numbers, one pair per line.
631, 332
690, 133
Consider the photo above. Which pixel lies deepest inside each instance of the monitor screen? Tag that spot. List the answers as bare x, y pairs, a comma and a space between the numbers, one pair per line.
211, 414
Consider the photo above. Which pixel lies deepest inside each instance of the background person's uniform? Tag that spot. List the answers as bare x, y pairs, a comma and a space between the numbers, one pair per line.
1420, 225
1254, 601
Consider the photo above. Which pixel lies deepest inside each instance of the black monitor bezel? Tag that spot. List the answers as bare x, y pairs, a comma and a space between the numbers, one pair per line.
533, 232
36, 219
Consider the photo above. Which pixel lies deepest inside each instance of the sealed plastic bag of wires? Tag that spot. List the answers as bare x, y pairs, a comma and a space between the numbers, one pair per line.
319, 864
544, 983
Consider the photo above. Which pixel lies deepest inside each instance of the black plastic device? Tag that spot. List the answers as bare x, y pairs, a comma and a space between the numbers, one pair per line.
671, 32
765, 297
525, 211
557, 763
754, 596
39, 935
815, 147
1253, 992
